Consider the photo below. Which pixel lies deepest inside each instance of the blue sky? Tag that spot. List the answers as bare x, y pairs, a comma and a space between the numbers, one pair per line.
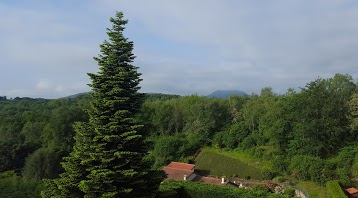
182, 47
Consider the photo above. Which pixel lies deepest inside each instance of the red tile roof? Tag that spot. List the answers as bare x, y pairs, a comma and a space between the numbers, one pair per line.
181, 166
352, 191
177, 174
177, 170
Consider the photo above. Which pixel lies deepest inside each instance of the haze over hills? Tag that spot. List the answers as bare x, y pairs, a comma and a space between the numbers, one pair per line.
215, 94
226, 93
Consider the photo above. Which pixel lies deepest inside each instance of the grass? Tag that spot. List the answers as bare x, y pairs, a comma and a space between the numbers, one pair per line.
227, 163
215, 163
312, 189
245, 157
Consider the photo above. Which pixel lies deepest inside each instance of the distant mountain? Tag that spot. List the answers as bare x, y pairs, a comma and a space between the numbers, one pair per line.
75, 95
226, 93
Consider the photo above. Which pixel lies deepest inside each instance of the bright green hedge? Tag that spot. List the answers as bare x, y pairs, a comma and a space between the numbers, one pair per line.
334, 189
221, 165
186, 189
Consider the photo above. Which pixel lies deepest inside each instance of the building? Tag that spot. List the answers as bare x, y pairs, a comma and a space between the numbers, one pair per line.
183, 171
352, 192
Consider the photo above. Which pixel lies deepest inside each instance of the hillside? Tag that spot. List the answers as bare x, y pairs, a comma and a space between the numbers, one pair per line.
226, 93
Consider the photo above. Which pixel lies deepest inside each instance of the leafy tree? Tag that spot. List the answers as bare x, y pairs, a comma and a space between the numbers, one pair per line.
43, 163
107, 160
321, 123
353, 113
167, 149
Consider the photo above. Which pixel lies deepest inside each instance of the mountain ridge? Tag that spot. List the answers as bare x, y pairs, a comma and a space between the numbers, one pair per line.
226, 93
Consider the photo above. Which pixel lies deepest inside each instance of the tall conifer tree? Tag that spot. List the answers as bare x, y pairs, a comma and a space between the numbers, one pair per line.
108, 156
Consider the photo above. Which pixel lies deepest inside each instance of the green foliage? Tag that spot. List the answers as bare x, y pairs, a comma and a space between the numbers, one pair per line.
260, 187
199, 190
231, 137
30, 124
280, 163
217, 164
190, 115
158, 96
305, 167
290, 192
353, 112
312, 189
12, 185
321, 121
108, 156
43, 163
173, 148
279, 179
334, 189
268, 174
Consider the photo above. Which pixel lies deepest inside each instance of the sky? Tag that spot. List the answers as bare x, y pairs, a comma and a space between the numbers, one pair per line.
182, 46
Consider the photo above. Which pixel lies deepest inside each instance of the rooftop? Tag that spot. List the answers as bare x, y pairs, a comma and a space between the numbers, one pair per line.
352, 190
181, 166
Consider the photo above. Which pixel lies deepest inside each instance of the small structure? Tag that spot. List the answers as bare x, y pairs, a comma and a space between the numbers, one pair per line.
352, 192
183, 171
180, 171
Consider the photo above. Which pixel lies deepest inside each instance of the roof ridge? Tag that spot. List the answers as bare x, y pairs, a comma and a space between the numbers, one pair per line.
178, 168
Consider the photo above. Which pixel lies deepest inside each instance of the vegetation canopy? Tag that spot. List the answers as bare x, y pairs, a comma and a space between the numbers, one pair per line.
107, 159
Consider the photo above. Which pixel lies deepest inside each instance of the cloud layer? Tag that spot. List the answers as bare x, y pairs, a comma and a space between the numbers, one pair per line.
182, 47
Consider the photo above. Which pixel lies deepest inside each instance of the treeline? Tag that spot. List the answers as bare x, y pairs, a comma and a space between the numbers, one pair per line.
36, 133
310, 134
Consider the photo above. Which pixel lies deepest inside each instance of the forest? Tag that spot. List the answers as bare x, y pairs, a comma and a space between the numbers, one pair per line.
309, 135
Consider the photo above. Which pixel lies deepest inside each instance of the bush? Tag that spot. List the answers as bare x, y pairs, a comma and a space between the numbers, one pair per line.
12, 185
290, 192
343, 176
186, 189
280, 164
261, 187
279, 179
334, 190
268, 174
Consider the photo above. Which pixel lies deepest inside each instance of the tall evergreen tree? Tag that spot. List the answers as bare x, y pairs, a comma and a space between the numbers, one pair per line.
108, 156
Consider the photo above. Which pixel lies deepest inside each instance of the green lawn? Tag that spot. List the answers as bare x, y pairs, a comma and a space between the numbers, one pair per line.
312, 189
244, 157
219, 164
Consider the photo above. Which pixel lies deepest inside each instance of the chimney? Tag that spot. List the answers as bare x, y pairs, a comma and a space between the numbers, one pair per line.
184, 177
222, 180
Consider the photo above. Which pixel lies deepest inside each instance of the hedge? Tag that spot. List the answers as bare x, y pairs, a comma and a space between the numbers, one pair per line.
334, 189
217, 164
186, 189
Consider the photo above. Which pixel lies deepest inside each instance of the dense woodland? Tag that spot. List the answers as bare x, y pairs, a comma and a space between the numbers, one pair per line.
310, 134
113, 141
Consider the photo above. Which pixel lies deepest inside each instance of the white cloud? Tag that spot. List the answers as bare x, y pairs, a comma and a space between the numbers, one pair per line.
43, 85
183, 46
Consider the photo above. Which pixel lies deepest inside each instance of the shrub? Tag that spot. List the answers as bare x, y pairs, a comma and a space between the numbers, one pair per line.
268, 174
261, 187
290, 192
334, 190
280, 164
279, 179
198, 190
